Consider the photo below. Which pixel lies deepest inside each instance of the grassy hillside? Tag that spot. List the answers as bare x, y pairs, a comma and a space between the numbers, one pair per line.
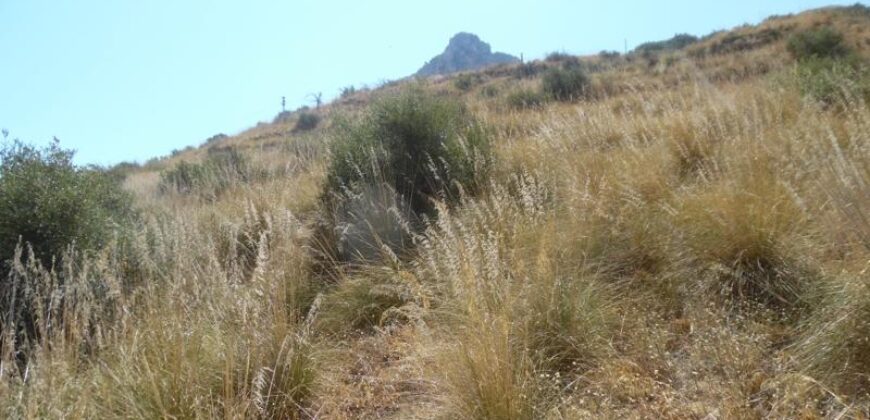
681, 232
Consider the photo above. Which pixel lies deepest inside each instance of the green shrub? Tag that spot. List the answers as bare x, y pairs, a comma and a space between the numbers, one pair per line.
466, 81
608, 55
678, 41
832, 81
347, 91
184, 178
558, 57
216, 138
565, 84
407, 150
176, 152
121, 170
564, 59
526, 98
49, 203
528, 70
306, 122
857, 9
424, 147
817, 43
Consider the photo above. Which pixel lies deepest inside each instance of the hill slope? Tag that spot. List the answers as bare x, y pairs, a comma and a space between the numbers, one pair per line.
684, 235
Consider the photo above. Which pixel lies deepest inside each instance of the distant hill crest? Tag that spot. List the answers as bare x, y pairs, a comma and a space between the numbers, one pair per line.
465, 51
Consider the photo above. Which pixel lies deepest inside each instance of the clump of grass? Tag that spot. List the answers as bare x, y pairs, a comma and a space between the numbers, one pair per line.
740, 237
222, 169
368, 299
240, 244
170, 373
568, 322
288, 380
692, 152
486, 377
835, 343
520, 325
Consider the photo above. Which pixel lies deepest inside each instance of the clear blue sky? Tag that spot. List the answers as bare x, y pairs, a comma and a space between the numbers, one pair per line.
129, 80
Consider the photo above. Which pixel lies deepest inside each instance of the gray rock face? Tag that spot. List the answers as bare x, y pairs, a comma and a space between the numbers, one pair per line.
464, 52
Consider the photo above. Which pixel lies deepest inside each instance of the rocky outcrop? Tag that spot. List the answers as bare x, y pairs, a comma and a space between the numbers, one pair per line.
464, 52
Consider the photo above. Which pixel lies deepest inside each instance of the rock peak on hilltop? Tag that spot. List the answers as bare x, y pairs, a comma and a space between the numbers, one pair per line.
464, 52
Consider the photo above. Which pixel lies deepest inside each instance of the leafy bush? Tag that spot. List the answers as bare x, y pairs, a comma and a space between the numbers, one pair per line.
176, 152
817, 43
121, 170
857, 9
558, 57
424, 147
466, 81
565, 84
405, 151
347, 91
678, 41
608, 55
832, 81
306, 122
528, 70
49, 203
216, 138
736, 42
184, 178
47, 206
566, 60
526, 98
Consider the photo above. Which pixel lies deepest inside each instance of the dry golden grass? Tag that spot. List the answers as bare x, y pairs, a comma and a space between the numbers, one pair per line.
692, 241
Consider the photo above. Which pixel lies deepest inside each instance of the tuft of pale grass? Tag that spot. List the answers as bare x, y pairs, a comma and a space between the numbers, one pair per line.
835, 344
521, 325
369, 298
740, 238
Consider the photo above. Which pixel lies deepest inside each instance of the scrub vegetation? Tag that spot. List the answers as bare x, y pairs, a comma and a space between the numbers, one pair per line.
678, 232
